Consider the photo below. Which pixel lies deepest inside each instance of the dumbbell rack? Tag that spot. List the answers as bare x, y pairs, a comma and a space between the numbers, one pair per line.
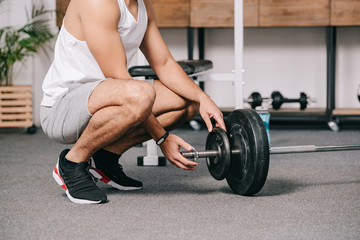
330, 115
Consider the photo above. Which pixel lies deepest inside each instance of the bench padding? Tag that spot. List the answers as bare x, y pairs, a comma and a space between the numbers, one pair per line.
190, 67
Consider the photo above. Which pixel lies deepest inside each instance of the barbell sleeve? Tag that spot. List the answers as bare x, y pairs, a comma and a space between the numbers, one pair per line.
200, 154
204, 153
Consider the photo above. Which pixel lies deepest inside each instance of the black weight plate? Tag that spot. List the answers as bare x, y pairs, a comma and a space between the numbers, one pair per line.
256, 100
218, 166
277, 100
303, 101
250, 158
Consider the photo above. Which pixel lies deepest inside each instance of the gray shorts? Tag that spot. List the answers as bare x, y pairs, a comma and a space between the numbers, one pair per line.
67, 118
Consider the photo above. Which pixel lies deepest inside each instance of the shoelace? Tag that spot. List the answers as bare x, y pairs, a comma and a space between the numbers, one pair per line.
115, 169
80, 179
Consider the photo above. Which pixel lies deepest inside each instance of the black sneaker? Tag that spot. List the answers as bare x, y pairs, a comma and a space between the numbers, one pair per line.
78, 183
114, 175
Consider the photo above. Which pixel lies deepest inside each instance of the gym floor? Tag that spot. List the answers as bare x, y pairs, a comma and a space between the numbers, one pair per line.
306, 196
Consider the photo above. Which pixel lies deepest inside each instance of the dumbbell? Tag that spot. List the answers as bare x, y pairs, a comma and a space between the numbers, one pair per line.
255, 100
241, 155
278, 100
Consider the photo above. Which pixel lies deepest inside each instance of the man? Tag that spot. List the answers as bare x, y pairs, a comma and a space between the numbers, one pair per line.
91, 100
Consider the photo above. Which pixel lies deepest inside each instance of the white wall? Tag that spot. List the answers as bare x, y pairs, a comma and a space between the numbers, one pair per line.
290, 60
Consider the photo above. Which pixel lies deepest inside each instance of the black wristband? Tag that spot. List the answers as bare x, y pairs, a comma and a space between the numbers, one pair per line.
162, 139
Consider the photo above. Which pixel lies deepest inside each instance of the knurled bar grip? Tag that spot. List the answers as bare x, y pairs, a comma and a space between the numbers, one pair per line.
312, 148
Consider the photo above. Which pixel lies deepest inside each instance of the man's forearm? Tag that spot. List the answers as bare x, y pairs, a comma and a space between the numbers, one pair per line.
173, 76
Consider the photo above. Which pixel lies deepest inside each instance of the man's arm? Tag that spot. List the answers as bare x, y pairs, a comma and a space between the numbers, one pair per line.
99, 19
172, 75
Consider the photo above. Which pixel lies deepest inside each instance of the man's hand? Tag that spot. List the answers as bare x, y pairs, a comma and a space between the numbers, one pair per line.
208, 110
171, 150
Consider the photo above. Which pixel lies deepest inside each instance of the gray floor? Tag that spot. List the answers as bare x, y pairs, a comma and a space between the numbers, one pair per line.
306, 196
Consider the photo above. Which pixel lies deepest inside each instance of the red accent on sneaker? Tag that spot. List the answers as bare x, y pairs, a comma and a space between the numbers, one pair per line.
104, 178
57, 173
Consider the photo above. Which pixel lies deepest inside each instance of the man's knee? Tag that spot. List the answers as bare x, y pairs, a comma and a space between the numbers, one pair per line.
140, 99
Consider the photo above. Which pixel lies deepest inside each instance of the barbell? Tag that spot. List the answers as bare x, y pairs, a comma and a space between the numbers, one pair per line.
241, 155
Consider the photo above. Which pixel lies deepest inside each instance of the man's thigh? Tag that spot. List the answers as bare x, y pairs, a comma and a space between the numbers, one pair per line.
166, 100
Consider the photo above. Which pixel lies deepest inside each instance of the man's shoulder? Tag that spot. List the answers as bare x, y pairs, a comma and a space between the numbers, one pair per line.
97, 9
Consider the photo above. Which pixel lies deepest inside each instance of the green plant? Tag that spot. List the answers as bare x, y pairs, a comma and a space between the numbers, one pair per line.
16, 44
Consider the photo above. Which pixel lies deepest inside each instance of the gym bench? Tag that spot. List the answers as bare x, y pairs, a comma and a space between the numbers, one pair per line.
192, 68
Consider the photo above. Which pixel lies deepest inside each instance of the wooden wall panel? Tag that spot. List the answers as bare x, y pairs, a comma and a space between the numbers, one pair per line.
212, 13
61, 6
169, 13
251, 13
172, 13
220, 13
283, 13
345, 12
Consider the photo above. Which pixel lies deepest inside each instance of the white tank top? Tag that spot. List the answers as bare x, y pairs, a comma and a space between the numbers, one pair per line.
74, 63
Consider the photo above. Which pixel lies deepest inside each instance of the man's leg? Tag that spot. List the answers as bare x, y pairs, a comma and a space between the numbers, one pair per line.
117, 106
116, 124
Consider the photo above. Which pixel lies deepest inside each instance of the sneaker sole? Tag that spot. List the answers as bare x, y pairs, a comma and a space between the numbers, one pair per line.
60, 181
102, 177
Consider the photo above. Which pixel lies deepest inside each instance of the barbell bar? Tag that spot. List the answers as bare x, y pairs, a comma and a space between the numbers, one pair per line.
195, 154
241, 155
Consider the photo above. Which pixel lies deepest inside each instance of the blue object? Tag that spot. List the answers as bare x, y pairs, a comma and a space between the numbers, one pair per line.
265, 116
